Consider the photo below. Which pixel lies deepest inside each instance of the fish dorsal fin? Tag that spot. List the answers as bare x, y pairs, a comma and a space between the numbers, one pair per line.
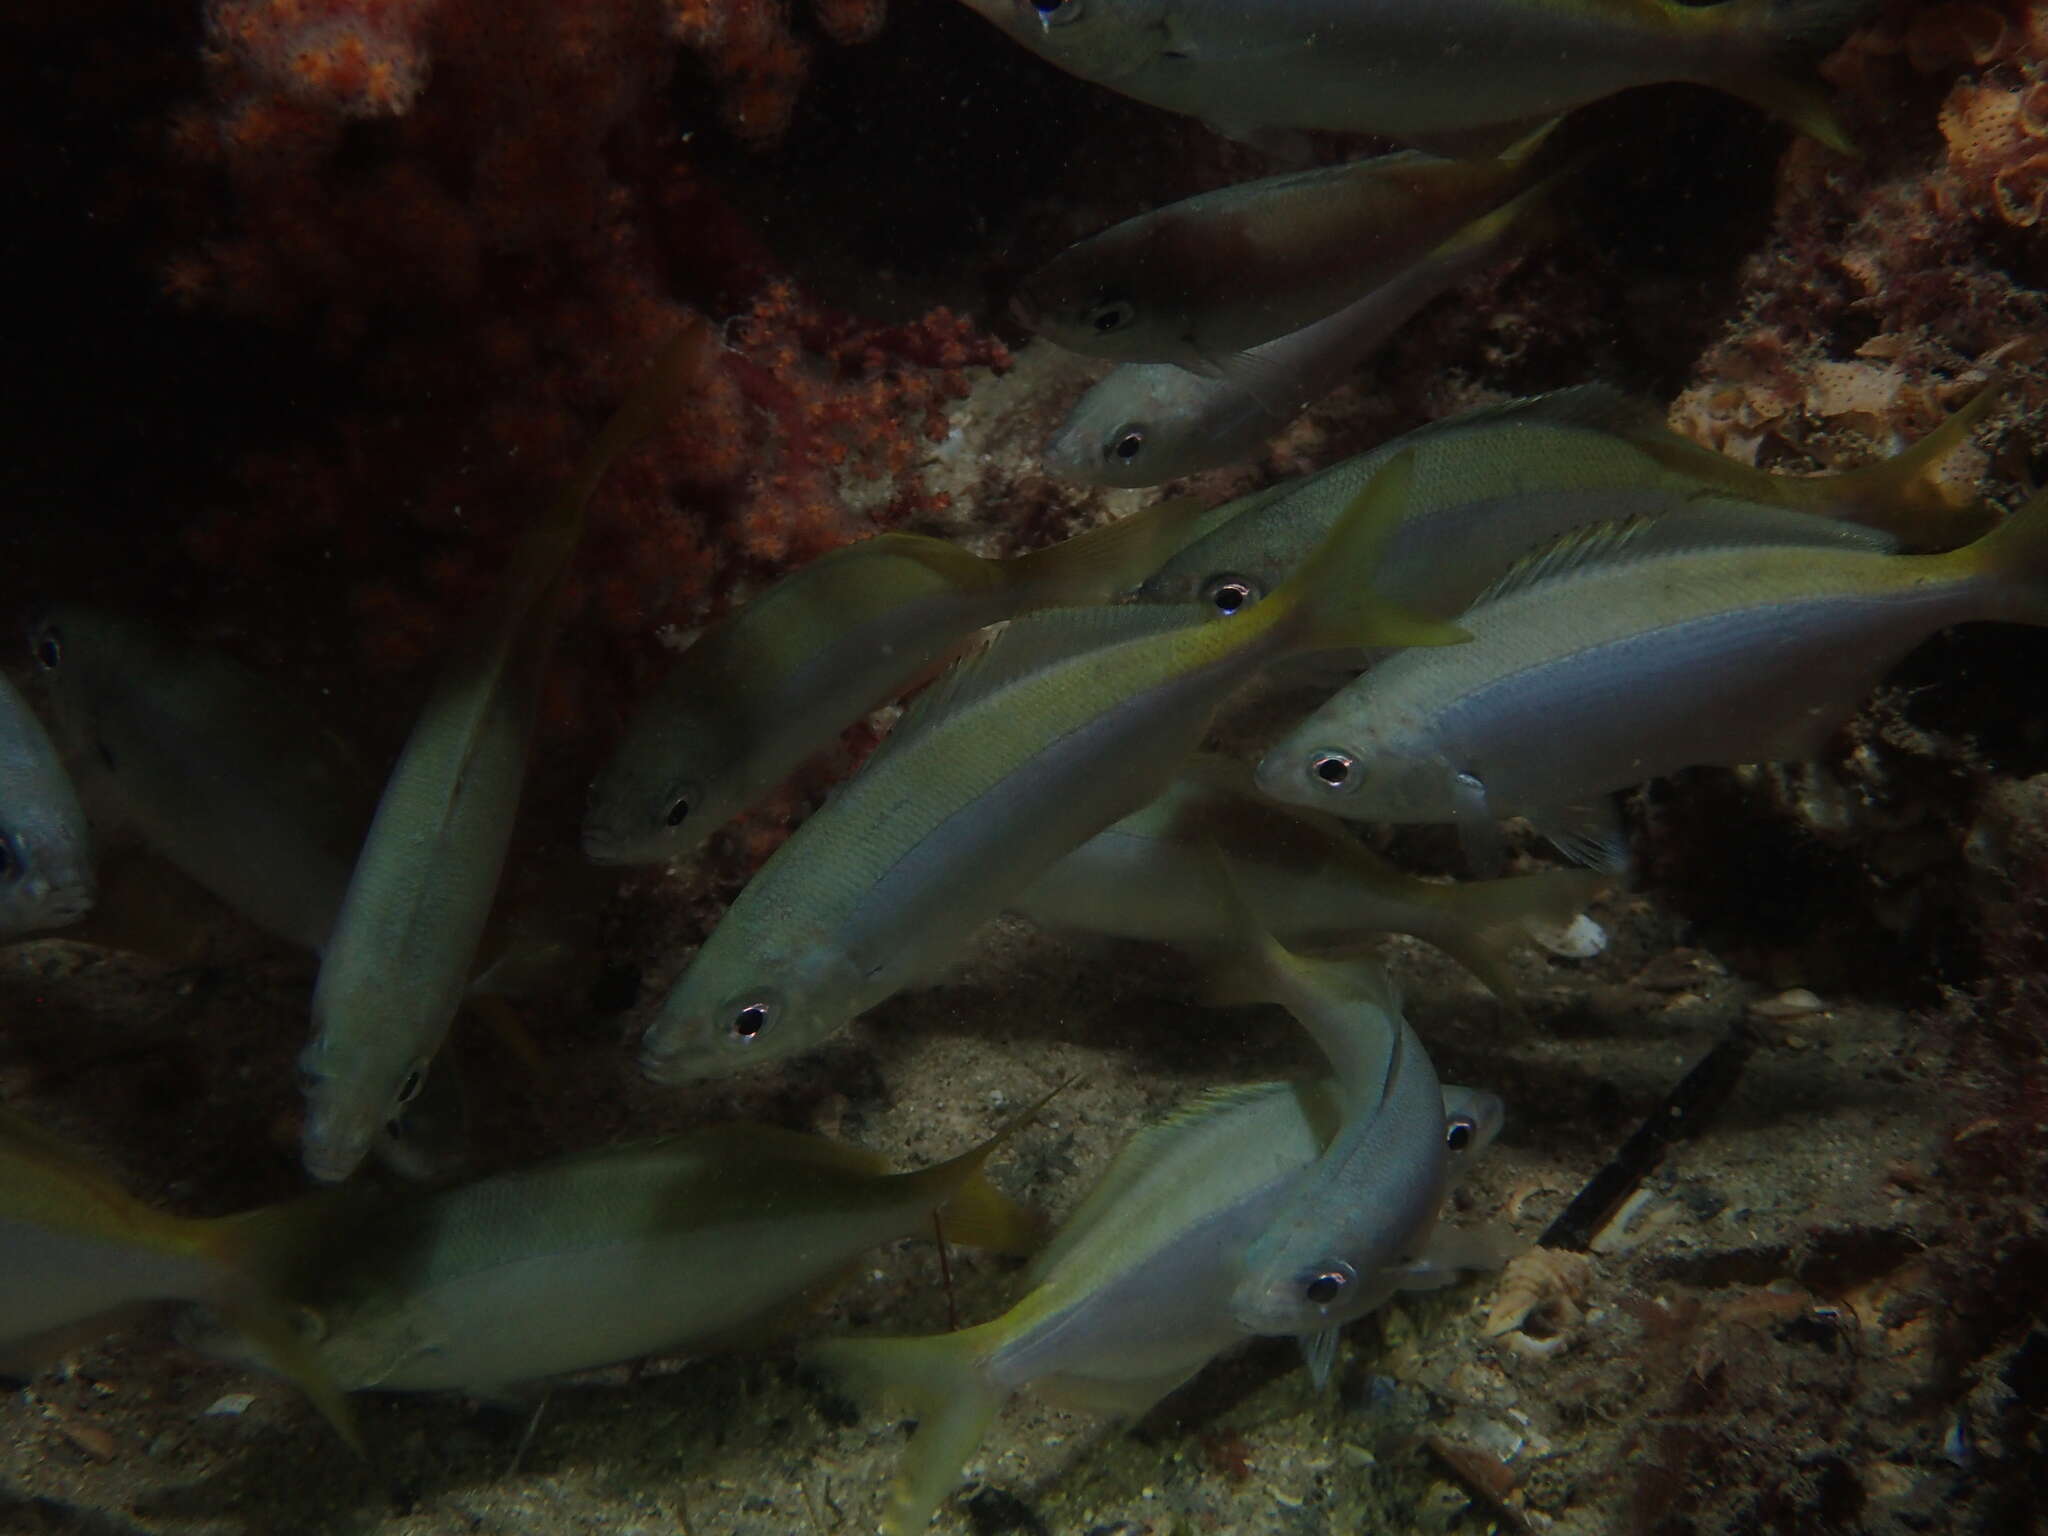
1593, 407
1022, 648
1594, 544
1139, 1156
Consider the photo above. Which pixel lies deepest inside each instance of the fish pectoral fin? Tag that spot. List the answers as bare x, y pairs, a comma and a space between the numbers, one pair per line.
1274, 388
1319, 1354
1588, 833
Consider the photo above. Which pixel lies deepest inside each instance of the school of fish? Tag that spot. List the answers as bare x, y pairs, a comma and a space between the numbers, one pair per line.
1514, 612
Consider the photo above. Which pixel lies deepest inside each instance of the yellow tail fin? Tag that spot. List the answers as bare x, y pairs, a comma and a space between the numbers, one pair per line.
941, 1381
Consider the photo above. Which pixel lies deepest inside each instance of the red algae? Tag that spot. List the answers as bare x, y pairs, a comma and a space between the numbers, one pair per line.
487, 274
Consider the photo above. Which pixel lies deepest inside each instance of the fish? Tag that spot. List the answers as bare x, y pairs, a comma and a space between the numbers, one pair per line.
1309, 880
230, 776
78, 1253
774, 682
1465, 77
1368, 1204
1068, 721
1129, 1300
46, 868
419, 895
1592, 671
1496, 483
692, 1242
1147, 423
1199, 281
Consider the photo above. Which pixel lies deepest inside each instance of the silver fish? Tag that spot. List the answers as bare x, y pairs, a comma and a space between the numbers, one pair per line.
1070, 720
1593, 671
46, 874
1126, 1303
1312, 883
1466, 76
775, 681
1147, 423
406, 935
607, 1256
1494, 484
227, 774
1199, 281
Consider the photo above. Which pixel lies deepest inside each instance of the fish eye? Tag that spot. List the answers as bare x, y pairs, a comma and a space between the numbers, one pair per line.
1111, 315
678, 811
1126, 443
49, 649
1326, 1285
1458, 1133
749, 1021
1227, 594
410, 1088
1054, 13
1333, 769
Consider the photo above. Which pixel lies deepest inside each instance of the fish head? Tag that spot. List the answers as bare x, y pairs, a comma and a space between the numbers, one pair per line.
1472, 1119
46, 878
643, 811
1325, 1292
1132, 429
356, 1091
1086, 314
1353, 773
744, 1006
1096, 39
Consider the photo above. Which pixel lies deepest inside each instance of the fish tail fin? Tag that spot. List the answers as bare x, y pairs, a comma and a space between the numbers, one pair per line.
1530, 215
938, 1379
2013, 557
1491, 915
1330, 602
1771, 48
1901, 495
972, 1210
256, 1252
1104, 562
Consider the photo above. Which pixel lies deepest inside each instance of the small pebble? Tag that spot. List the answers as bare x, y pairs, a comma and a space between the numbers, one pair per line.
233, 1404
1793, 1004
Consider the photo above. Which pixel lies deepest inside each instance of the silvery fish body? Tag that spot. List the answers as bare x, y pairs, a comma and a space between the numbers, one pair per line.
1201, 280
774, 682
226, 774
421, 891
1592, 671
1127, 1302
46, 874
1334, 1249
1491, 486
1463, 74
610, 1255
1146, 423
1308, 880
1068, 721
